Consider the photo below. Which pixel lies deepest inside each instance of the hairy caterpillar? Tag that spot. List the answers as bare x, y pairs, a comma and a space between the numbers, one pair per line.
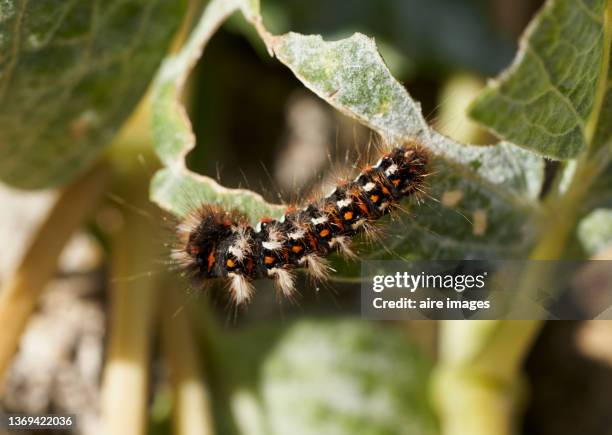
217, 243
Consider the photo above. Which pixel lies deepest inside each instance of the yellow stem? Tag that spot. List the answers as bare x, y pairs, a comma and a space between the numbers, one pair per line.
561, 212
20, 294
134, 303
477, 386
192, 404
133, 307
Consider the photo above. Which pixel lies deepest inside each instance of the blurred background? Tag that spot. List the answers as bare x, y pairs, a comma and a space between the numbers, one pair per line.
313, 367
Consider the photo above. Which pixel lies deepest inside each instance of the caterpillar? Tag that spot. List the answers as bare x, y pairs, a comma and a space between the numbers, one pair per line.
214, 243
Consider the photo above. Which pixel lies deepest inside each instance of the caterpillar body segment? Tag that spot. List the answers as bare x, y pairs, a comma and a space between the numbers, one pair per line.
216, 243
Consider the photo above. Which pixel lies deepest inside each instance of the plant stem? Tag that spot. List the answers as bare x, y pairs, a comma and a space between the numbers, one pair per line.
562, 211
134, 296
192, 405
21, 292
133, 309
478, 384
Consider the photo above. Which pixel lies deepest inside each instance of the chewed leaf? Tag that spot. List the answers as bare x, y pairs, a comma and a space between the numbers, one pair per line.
176, 188
351, 76
482, 199
179, 191
70, 74
173, 136
550, 98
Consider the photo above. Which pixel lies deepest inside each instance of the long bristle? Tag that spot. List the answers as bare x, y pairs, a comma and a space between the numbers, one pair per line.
241, 288
218, 243
284, 281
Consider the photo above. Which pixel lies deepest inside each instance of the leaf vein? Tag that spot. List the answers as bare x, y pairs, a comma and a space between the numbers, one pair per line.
553, 86
7, 77
589, 12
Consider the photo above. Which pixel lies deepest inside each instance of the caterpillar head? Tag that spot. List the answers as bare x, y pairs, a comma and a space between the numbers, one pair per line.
202, 236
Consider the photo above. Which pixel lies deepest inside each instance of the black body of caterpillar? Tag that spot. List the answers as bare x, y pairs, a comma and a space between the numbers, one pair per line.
215, 243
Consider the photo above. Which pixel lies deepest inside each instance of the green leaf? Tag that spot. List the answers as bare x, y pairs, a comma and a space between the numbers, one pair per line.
469, 212
550, 98
494, 188
480, 203
363, 379
468, 42
351, 76
70, 74
483, 197
368, 365
603, 131
176, 188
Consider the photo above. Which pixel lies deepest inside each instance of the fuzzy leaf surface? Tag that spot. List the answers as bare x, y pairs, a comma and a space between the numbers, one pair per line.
176, 188
366, 379
481, 201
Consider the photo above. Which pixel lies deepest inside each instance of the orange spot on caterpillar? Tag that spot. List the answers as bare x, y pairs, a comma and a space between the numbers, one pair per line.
211, 259
246, 249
